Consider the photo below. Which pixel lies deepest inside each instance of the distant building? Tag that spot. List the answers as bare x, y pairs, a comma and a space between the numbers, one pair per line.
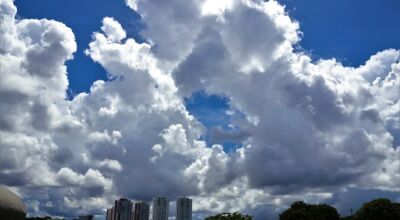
86, 217
110, 214
160, 208
183, 209
11, 206
122, 209
142, 211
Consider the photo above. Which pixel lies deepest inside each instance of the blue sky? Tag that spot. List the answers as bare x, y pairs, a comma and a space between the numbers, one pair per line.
350, 31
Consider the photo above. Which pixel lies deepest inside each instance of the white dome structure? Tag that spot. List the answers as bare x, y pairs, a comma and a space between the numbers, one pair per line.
11, 206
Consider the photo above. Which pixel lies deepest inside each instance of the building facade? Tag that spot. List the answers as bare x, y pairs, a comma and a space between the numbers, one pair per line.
122, 209
86, 217
142, 211
160, 208
110, 214
11, 206
183, 209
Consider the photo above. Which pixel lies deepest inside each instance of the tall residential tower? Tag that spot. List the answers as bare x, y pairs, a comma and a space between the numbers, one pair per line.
110, 214
160, 208
122, 209
183, 209
142, 211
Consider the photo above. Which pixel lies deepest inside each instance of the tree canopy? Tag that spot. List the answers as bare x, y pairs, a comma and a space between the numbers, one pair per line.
302, 211
230, 216
378, 209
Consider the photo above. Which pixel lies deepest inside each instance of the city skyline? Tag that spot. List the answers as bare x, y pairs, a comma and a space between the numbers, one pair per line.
125, 209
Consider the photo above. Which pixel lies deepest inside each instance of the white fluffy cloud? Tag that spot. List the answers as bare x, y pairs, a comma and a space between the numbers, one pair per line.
309, 129
33, 85
40, 138
113, 30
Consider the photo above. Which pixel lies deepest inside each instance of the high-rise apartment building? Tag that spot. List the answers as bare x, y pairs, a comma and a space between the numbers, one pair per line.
122, 209
142, 211
110, 214
183, 209
160, 208
86, 217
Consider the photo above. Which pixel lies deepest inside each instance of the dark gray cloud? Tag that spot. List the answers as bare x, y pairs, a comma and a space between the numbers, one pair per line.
220, 135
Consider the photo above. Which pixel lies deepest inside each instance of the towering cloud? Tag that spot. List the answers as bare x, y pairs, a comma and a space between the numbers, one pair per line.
307, 129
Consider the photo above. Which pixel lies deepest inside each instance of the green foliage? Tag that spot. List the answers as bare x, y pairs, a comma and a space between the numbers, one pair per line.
379, 209
230, 216
302, 211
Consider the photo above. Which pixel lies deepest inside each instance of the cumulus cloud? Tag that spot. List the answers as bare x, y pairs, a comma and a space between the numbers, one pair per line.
33, 83
307, 129
40, 138
322, 123
113, 30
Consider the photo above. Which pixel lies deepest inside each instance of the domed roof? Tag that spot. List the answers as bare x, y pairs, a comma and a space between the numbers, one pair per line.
10, 201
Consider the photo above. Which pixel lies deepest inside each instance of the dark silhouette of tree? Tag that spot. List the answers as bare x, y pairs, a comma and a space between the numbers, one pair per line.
230, 216
378, 209
347, 218
302, 211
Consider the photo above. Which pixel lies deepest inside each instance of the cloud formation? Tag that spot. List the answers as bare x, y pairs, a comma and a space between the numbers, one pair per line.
306, 129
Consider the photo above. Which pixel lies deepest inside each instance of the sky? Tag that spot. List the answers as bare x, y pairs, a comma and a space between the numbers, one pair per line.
241, 105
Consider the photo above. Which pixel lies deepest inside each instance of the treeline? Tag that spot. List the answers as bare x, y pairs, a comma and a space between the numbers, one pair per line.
378, 209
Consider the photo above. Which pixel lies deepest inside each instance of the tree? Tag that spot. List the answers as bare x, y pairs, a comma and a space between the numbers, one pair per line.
347, 218
302, 211
230, 216
379, 209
